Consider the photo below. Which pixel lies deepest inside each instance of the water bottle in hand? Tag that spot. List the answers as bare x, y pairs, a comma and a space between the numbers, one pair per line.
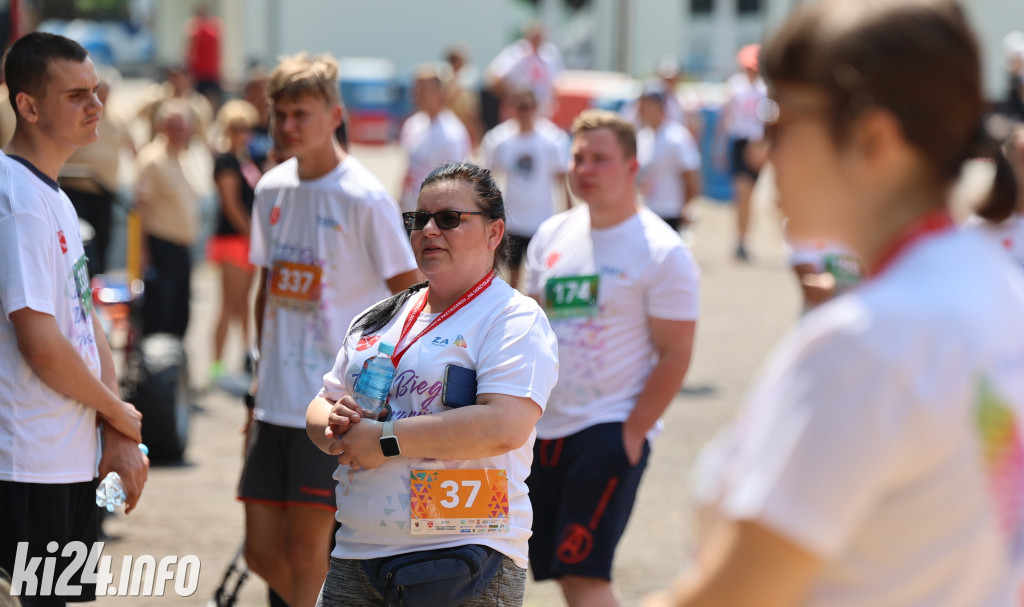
373, 384
110, 493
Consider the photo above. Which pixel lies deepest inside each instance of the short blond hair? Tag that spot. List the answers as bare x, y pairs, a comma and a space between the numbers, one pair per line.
237, 110
592, 120
304, 74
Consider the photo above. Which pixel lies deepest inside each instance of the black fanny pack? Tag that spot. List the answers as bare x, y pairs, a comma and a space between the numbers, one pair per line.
445, 577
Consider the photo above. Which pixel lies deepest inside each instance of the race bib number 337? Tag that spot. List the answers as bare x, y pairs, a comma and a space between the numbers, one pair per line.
295, 285
459, 501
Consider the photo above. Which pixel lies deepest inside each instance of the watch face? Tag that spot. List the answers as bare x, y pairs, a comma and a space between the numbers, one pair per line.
389, 446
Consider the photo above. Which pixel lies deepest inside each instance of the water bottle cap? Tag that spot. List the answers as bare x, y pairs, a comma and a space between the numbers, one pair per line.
144, 448
386, 349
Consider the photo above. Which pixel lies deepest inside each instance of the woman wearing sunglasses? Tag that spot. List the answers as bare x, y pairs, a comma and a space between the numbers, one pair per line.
447, 471
878, 459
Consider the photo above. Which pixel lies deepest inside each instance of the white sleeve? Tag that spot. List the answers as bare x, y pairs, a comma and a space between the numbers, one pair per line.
385, 239
673, 286
519, 355
26, 266
689, 154
826, 432
334, 380
259, 231
534, 263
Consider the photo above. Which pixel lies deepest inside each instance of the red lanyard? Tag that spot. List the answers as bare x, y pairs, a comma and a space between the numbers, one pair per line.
417, 308
934, 222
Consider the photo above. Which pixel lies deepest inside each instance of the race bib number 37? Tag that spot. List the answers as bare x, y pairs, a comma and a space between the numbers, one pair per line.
295, 285
571, 296
459, 501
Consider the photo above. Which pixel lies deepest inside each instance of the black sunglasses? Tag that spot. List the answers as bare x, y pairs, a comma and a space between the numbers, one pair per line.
445, 220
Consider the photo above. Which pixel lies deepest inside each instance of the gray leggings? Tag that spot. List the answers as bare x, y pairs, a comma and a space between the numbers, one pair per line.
347, 586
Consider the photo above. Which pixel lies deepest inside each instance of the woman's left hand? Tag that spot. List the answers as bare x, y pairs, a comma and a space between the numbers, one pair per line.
360, 446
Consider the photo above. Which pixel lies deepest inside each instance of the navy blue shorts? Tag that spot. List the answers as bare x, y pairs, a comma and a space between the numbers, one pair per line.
582, 489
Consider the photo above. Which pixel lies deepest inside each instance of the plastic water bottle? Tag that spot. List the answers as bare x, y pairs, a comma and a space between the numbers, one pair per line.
374, 383
110, 493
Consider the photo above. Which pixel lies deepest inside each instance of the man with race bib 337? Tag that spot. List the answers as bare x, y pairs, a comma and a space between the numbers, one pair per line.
329, 242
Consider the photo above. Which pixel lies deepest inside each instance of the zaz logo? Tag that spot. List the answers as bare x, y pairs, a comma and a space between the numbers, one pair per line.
444, 341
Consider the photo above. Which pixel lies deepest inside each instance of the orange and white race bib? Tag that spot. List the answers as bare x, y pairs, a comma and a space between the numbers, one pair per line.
459, 501
295, 285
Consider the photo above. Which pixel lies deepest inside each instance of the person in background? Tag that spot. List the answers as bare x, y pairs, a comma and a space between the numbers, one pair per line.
530, 63
169, 210
236, 175
177, 84
57, 378
430, 137
329, 242
461, 93
202, 44
260, 141
743, 126
532, 156
621, 291
877, 459
682, 106
669, 175
90, 177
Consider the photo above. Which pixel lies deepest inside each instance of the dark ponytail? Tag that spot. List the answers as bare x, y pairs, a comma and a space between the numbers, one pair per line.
1001, 201
381, 314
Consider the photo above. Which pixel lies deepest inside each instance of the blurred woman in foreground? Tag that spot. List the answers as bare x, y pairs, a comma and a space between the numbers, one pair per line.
878, 459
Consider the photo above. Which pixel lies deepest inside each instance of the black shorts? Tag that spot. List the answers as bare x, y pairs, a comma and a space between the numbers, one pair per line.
740, 166
39, 514
517, 249
284, 468
582, 489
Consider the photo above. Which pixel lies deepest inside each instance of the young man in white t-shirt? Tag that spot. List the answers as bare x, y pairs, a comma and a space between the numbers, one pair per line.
621, 291
532, 156
431, 137
56, 370
669, 178
329, 243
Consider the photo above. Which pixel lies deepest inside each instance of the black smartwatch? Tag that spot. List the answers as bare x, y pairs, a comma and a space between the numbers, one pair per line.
388, 441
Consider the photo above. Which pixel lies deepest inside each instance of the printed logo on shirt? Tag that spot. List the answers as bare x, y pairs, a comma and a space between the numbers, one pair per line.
63, 241
365, 343
327, 222
610, 271
275, 215
1003, 452
440, 341
552, 259
460, 341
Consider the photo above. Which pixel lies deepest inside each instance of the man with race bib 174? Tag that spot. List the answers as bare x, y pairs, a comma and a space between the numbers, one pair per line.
621, 291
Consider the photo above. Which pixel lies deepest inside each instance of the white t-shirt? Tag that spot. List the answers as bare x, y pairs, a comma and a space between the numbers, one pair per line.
45, 437
884, 435
429, 144
506, 339
1009, 234
521, 68
664, 154
642, 270
530, 164
744, 96
334, 241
